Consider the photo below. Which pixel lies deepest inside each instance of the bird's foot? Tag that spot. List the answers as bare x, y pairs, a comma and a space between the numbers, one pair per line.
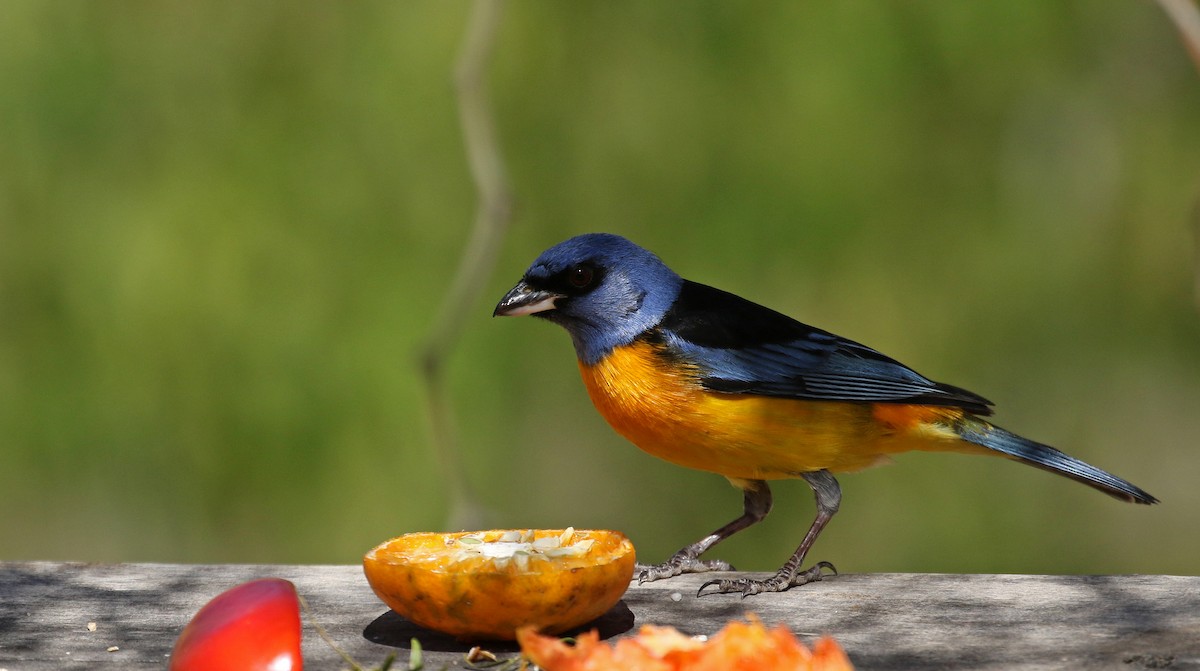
779, 582
682, 562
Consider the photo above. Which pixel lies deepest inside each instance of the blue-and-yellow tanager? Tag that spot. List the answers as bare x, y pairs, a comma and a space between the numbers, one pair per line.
708, 380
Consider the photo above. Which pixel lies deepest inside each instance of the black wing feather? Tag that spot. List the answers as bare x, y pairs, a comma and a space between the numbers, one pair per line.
745, 348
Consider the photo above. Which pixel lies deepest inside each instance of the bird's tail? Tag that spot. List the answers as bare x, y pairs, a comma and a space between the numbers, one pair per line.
979, 432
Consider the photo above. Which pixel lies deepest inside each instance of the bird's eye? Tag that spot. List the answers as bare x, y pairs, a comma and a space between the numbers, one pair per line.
580, 276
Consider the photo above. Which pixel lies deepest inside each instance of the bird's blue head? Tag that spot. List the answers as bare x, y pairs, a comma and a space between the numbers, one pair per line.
602, 288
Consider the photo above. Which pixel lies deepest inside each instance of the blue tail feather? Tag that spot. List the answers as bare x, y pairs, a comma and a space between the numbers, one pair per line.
981, 433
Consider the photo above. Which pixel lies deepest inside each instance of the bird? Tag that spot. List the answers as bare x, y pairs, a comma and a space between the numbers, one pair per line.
709, 380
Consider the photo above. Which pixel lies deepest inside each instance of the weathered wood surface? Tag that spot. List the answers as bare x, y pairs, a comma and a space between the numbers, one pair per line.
885, 621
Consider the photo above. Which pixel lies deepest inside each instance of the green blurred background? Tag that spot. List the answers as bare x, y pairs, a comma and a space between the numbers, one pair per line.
225, 228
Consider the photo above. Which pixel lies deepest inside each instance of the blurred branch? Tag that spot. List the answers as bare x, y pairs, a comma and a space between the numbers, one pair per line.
492, 215
1196, 253
1186, 16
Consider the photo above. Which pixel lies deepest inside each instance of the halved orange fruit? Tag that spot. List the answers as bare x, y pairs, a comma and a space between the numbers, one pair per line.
486, 584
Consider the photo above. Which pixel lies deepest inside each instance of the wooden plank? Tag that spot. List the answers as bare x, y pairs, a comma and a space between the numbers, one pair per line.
885, 621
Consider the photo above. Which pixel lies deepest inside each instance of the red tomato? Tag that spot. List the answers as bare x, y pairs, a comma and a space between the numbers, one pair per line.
252, 627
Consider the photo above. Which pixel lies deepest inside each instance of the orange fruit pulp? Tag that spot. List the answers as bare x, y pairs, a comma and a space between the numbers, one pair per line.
739, 646
486, 584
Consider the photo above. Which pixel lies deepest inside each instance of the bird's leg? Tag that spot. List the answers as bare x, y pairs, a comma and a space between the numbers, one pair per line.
757, 496
829, 496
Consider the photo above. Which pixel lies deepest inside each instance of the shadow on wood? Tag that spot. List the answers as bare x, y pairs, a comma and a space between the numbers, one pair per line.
395, 631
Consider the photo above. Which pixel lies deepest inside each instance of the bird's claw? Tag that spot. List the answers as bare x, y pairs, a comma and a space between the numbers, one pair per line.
777, 583
678, 565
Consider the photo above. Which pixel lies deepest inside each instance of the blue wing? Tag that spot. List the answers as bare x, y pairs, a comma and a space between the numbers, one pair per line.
742, 347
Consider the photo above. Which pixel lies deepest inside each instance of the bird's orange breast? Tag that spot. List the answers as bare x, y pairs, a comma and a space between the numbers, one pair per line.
658, 403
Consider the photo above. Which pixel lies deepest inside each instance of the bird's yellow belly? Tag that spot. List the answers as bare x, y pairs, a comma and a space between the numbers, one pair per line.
662, 408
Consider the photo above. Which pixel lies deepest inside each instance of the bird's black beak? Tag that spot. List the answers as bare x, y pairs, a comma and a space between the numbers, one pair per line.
525, 300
